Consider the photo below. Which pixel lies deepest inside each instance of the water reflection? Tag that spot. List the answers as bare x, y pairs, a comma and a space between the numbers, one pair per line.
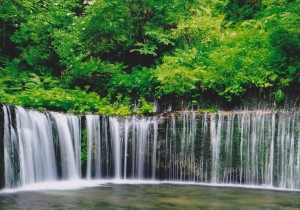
160, 196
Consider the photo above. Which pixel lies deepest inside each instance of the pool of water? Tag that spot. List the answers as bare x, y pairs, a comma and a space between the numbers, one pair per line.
151, 196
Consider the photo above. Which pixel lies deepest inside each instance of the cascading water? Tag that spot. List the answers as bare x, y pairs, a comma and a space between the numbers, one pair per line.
34, 137
68, 127
10, 155
29, 143
116, 142
243, 147
93, 141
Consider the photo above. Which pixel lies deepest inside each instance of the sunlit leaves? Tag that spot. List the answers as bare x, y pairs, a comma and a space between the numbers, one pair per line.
145, 49
241, 62
178, 74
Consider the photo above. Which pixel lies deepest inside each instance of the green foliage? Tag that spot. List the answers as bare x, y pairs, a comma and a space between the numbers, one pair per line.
119, 30
239, 10
83, 154
241, 62
145, 107
106, 55
178, 74
35, 37
207, 111
279, 96
94, 73
139, 83
75, 101
45, 92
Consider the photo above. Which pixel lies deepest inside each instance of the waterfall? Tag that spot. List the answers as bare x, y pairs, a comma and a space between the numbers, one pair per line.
29, 148
35, 138
126, 138
29, 145
258, 148
69, 144
116, 142
126, 154
155, 130
93, 141
215, 143
10, 153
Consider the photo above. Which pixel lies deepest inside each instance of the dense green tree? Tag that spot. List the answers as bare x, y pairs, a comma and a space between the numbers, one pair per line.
135, 32
36, 35
106, 55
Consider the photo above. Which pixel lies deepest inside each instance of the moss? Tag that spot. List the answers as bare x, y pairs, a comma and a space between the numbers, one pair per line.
207, 111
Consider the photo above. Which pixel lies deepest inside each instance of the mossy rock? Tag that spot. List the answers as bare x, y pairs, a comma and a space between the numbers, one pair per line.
207, 111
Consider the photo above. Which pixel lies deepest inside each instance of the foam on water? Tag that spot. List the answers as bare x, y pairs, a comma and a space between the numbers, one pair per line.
82, 183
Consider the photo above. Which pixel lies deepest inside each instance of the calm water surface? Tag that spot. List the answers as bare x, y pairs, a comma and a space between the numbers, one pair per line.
155, 196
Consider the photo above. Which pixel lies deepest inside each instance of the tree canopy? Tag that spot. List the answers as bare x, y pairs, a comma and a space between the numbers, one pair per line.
107, 55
